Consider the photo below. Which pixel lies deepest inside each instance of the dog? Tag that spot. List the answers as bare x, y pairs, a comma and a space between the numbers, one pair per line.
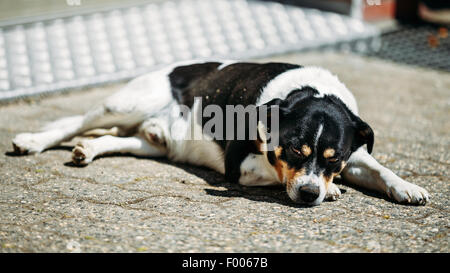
319, 132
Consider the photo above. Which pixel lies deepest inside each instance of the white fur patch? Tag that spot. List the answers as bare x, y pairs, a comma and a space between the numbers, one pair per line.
320, 79
333, 192
256, 171
317, 136
190, 145
310, 179
363, 170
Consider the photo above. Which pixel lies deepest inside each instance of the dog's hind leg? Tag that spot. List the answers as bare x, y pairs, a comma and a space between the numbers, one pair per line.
51, 135
85, 151
66, 128
364, 171
141, 98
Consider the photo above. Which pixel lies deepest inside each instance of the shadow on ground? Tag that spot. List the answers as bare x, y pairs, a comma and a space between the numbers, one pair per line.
269, 194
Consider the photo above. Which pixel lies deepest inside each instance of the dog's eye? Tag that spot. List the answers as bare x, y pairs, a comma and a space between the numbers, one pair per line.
333, 159
297, 152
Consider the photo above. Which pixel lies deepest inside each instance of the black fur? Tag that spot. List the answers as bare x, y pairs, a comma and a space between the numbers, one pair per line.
235, 84
301, 115
238, 83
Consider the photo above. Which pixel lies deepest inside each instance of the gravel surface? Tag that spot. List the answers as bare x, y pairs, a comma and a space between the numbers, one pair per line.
128, 204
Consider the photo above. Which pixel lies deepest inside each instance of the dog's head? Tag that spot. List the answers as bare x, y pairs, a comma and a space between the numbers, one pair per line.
317, 135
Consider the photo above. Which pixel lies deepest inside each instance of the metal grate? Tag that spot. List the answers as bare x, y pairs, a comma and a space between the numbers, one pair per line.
116, 44
420, 45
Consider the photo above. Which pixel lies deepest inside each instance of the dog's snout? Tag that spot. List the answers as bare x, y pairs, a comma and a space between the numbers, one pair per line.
308, 194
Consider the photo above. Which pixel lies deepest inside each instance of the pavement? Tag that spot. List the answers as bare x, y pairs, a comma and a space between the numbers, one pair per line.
129, 204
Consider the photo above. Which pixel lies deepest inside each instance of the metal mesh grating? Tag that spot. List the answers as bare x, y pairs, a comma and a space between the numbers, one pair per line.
419, 45
117, 44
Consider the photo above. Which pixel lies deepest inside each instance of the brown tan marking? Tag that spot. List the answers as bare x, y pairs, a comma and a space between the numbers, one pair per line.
328, 153
283, 171
329, 179
280, 166
278, 151
306, 150
258, 145
292, 177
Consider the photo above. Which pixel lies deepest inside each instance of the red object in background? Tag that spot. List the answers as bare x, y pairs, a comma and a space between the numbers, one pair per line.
443, 32
374, 10
433, 41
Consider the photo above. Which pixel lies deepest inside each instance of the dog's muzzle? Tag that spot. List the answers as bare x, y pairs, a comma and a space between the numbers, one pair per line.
308, 189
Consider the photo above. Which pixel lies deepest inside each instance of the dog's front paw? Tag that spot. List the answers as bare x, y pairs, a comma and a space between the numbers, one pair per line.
82, 154
27, 143
333, 193
405, 192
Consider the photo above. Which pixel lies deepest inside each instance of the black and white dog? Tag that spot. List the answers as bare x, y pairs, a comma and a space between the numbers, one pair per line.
319, 132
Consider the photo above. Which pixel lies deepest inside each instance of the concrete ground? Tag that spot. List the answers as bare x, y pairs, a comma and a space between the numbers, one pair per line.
128, 204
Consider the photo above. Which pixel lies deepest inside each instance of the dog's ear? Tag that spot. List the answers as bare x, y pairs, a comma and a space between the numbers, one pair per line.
274, 103
273, 107
292, 100
363, 135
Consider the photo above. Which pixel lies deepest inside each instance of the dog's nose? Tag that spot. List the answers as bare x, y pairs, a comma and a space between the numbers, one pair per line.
308, 193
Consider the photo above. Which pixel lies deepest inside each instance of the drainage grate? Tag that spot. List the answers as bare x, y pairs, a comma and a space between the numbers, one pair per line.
116, 44
420, 45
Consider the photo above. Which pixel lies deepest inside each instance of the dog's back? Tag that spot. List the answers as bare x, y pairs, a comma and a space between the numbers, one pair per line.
233, 84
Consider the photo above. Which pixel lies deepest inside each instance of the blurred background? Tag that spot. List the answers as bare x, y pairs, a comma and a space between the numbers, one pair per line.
49, 46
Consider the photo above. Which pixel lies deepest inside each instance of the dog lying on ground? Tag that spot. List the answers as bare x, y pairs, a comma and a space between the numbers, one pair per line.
318, 132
